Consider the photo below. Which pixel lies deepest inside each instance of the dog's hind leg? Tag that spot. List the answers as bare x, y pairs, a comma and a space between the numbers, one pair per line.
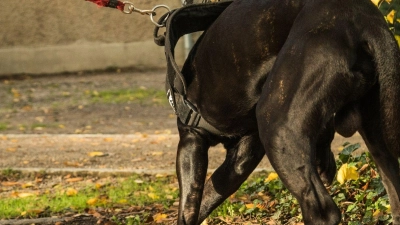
191, 167
385, 152
294, 116
325, 159
243, 156
380, 115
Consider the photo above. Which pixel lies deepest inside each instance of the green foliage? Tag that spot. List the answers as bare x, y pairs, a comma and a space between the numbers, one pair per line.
361, 201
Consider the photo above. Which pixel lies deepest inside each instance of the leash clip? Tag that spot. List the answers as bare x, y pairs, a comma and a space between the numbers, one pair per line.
129, 8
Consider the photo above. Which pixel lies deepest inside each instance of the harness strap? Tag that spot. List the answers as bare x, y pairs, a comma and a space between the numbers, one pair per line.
188, 19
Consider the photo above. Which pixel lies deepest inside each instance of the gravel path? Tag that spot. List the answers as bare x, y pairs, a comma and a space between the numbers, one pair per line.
107, 153
62, 122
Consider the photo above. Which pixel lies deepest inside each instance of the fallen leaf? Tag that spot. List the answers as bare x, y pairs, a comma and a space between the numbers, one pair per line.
377, 214
27, 185
250, 206
123, 201
272, 176
153, 196
346, 173
71, 192
108, 139
9, 184
157, 153
159, 217
22, 195
388, 209
262, 206
91, 201
27, 108
11, 149
73, 164
97, 154
75, 179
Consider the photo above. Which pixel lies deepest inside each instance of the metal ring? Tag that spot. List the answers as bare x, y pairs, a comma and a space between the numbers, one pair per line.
130, 9
152, 15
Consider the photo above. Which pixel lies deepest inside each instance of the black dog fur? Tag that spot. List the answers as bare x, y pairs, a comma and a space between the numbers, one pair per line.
278, 77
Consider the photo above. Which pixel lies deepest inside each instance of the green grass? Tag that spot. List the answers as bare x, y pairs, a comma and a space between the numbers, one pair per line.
136, 190
3, 126
125, 96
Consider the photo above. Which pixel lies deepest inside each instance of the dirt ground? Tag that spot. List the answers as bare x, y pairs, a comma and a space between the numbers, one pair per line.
90, 126
102, 121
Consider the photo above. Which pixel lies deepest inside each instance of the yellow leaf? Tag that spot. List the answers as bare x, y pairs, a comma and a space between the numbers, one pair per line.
388, 209
108, 139
271, 177
91, 201
250, 206
98, 186
27, 185
123, 201
11, 149
8, 183
376, 2
346, 173
153, 196
377, 213
390, 16
159, 217
71, 192
157, 153
24, 195
75, 179
96, 154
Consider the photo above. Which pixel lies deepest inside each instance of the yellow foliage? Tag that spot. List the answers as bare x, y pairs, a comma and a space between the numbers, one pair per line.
346, 173
271, 177
159, 217
153, 196
92, 201
71, 192
250, 206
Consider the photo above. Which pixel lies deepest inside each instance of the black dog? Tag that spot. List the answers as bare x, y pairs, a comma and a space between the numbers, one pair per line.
278, 77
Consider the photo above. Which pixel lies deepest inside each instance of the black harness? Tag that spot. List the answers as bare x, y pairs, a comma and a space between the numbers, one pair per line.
185, 20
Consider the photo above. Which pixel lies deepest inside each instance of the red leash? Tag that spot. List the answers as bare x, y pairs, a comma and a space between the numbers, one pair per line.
109, 3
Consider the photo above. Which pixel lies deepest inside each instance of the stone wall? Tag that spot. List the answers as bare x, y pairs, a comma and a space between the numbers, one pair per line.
56, 36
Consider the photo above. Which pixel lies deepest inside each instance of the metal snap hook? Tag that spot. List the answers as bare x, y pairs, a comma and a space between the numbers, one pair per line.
153, 14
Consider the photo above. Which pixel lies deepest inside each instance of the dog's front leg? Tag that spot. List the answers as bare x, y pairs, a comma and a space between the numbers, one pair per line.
243, 156
191, 167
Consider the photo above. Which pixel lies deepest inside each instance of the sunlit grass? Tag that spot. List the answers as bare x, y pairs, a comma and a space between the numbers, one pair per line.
126, 96
135, 190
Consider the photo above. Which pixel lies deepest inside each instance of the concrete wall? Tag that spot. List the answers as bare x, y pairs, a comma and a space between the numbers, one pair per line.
55, 36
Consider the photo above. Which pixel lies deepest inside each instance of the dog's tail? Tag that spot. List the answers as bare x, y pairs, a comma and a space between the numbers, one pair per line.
386, 55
